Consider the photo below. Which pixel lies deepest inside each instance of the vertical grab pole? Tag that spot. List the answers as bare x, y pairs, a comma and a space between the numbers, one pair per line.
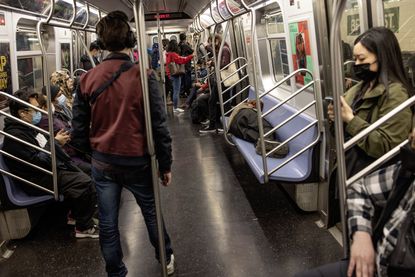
86, 48
162, 72
195, 58
258, 100
337, 77
46, 80
140, 24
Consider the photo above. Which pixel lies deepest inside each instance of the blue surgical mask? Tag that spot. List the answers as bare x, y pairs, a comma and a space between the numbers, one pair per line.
36, 117
62, 100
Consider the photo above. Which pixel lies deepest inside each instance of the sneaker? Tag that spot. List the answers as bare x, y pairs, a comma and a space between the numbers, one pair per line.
207, 130
70, 220
178, 110
205, 122
170, 265
219, 130
92, 233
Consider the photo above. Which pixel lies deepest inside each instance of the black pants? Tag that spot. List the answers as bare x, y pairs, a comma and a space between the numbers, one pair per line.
338, 269
214, 110
79, 192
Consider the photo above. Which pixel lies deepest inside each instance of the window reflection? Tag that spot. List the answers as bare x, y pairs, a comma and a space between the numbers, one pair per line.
30, 72
37, 6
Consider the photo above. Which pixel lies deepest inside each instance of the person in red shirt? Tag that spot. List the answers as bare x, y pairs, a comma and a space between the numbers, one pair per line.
173, 56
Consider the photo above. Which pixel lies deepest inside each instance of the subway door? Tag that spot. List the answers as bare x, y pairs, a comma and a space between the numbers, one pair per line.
398, 16
64, 50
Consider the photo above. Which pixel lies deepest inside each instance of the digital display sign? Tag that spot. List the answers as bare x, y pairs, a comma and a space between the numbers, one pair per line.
166, 16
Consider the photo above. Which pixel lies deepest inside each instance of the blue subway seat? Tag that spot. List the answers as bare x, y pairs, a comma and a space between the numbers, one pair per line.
300, 168
15, 194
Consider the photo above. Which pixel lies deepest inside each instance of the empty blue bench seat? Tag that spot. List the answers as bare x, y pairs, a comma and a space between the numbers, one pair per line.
14, 192
300, 168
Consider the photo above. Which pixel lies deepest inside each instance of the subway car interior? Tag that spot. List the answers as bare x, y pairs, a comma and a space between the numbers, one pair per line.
272, 202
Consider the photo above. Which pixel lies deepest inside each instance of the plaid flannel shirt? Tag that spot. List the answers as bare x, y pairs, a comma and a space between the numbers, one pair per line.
372, 191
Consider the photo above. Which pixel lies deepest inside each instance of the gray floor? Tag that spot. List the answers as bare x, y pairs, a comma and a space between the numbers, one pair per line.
221, 221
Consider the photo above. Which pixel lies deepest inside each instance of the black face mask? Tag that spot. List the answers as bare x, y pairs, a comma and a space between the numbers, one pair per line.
363, 72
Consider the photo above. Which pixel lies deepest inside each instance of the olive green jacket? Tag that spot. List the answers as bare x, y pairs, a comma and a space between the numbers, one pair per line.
391, 133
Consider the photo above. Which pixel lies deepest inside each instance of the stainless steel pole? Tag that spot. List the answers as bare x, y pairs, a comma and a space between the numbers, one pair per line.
91, 59
46, 80
337, 77
162, 69
140, 28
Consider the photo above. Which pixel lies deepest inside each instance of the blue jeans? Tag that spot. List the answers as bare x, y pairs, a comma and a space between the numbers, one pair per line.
176, 83
109, 184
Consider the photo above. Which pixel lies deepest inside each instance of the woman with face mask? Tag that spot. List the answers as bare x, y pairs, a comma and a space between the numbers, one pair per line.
383, 86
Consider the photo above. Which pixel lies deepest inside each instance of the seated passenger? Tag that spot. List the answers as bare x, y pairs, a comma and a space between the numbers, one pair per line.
243, 124
76, 187
66, 85
373, 252
61, 124
383, 86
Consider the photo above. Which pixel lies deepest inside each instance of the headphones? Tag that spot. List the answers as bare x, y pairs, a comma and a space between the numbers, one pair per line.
130, 40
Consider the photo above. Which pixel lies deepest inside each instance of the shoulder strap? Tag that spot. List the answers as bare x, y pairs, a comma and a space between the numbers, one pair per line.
123, 68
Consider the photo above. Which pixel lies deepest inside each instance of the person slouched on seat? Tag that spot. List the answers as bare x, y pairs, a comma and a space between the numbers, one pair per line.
76, 187
383, 87
109, 122
388, 250
173, 57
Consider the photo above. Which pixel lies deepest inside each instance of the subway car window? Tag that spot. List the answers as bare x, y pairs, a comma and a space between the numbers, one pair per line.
279, 58
399, 17
30, 72
63, 9
38, 6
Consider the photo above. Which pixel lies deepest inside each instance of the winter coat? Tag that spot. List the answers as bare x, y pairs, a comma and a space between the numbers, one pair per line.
375, 104
113, 128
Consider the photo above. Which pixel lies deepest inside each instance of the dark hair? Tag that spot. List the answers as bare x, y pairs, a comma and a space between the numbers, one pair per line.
54, 90
383, 43
23, 94
182, 36
165, 42
42, 100
113, 30
173, 46
94, 46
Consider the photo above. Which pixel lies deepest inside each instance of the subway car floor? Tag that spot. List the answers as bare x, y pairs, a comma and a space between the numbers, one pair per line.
221, 220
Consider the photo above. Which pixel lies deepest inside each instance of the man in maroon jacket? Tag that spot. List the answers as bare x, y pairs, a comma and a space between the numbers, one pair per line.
109, 123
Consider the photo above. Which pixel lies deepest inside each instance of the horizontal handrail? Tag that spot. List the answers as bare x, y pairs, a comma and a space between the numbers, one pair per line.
26, 181
287, 99
355, 139
79, 69
296, 155
290, 118
25, 162
234, 61
233, 73
229, 88
292, 137
386, 157
243, 101
23, 102
237, 94
348, 62
286, 78
25, 123
24, 142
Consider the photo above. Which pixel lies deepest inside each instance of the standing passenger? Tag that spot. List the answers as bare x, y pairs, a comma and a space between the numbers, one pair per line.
173, 56
112, 127
186, 50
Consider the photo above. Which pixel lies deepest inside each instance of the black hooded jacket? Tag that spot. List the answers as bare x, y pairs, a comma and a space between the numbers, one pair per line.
31, 155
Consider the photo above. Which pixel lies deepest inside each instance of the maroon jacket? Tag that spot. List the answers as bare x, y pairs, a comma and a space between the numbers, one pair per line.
115, 122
